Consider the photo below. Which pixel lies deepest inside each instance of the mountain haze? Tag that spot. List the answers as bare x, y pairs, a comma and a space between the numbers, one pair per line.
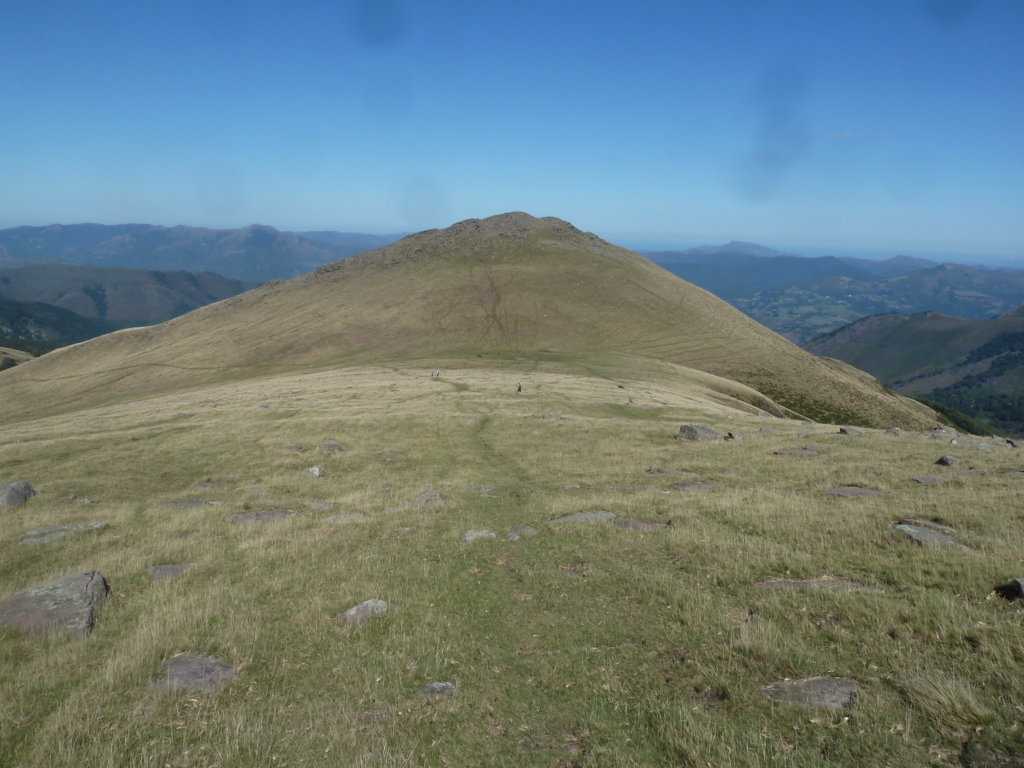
509, 285
118, 295
254, 254
973, 365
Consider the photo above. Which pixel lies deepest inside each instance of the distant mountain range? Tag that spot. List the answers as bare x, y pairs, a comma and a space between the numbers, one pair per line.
254, 254
975, 366
802, 297
43, 306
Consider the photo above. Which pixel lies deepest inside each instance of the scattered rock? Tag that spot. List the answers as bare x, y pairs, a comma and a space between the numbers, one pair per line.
637, 525
852, 491
429, 498
594, 516
927, 524
474, 535
894, 431
348, 517
947, 461
1014, 473
823, 692
927, 536
186, 503
47, 533
255, 517
321, 506
68, 604
315, 471
437, 689
694, 486
942, 433
521, 532
1012, 591
654, 469
826, 584
189, 672
330, 448
15, 494
367, 609
795, 452
569, 487
931, 479
698, 434
160, 573
204, 484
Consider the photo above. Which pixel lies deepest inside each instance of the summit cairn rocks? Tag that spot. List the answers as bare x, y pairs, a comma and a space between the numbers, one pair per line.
695, 433
17, 494
68, 605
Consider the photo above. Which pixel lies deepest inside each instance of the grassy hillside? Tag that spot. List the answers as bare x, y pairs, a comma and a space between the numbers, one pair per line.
508, 286
587, 645
11, 357
118, 295
975, 366
29, 325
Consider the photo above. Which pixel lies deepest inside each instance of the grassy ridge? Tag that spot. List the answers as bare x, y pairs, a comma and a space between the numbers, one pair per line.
589, 646
511, 285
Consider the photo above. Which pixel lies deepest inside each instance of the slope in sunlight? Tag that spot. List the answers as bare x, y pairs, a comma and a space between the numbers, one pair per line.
507, 286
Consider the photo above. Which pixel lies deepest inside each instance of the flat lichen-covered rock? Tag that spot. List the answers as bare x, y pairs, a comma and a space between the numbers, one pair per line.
68, 604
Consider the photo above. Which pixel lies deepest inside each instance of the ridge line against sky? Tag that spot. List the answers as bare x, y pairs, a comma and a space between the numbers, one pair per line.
888, 127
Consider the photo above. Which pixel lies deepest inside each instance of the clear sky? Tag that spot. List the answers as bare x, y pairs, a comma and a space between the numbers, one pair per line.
827, 125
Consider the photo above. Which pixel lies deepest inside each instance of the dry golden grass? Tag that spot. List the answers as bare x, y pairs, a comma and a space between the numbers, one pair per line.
505, 287
586, 646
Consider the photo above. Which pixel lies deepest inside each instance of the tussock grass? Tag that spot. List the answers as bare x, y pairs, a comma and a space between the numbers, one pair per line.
582, 646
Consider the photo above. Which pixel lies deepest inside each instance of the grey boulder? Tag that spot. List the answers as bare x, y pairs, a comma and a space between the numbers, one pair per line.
68, 605
15, 494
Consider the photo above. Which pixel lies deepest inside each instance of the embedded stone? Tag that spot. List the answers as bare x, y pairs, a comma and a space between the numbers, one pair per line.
931, 479
795, 452
927, 536
429, 498
367, 609
437, 689
594, 516
521, 532
68, 604
190, 672
697, 433
947, 461
315, 471
15, 494
45, 533
819, 692
475, 535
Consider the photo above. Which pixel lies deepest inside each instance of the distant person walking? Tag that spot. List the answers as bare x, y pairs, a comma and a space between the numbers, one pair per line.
519, 389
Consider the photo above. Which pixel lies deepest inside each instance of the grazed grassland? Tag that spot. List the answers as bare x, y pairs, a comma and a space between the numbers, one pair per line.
581, 646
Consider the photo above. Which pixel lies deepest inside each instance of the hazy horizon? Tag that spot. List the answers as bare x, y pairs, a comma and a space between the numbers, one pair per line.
876, 126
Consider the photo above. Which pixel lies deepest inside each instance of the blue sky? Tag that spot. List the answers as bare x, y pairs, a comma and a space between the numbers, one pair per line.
890, 126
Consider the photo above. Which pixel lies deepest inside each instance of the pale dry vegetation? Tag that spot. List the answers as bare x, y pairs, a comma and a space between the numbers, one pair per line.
581, 646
